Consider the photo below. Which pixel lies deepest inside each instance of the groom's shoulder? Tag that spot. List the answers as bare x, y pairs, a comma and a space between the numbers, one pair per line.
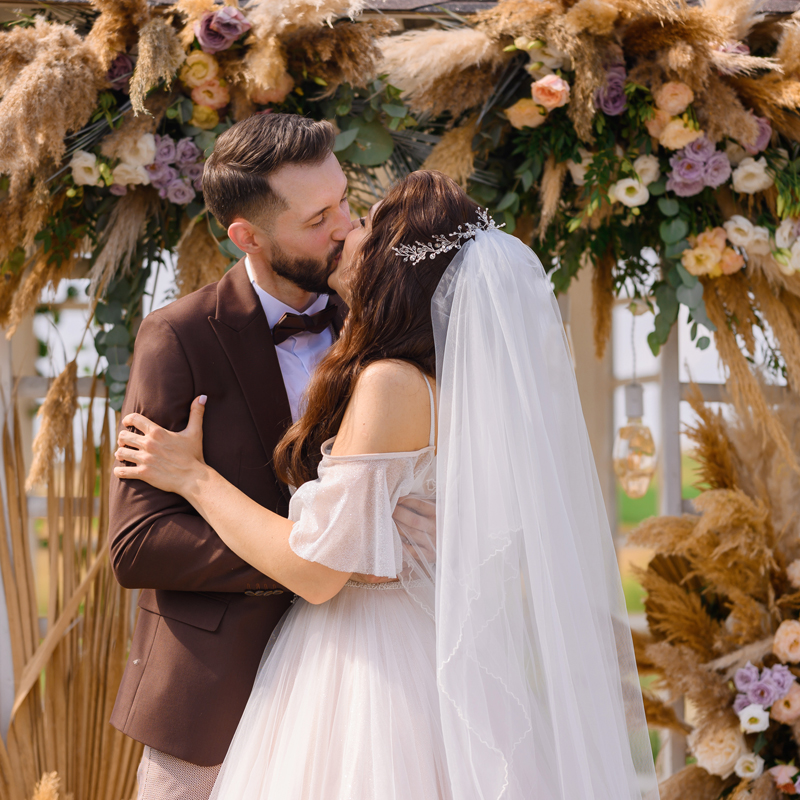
187, 313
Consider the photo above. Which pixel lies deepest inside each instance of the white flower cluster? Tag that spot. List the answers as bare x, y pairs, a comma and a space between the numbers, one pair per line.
631, 192
756, 241
130, 171
544, 59
751, 176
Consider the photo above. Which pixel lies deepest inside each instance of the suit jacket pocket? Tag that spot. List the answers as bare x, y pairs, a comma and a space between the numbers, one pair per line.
192, 608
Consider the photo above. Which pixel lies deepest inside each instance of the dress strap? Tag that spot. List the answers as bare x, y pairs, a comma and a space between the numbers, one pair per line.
432, 437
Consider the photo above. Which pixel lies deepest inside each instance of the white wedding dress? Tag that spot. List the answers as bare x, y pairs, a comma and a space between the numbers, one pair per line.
345, 704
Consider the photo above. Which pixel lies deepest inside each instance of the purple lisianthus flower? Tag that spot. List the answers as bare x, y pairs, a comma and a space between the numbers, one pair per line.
193, 172
763, 692
685, 188
740, 703
781, 677
119, 73
700, 150
230, 22
180, 192
763, 138
611, 98
218, 30
186, 152
717, 170
165, 150
686, 170
161, 175
745, 676
118, 189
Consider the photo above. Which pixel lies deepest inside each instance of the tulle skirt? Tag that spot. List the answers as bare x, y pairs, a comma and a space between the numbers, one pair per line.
344, 706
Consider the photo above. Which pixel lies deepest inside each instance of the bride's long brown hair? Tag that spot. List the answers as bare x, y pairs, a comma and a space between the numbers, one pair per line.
390, 310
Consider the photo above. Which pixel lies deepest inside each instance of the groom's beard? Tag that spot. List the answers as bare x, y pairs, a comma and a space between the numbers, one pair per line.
310, 274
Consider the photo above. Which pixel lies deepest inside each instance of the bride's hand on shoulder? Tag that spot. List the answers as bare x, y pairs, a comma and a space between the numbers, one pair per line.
168, 460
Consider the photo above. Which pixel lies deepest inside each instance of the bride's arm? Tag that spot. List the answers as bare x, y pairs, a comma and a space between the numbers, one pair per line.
388, 413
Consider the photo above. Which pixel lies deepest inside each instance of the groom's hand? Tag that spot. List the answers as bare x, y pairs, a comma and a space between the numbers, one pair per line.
417, 524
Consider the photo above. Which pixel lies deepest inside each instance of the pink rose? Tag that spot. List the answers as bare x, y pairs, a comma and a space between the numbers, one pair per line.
211, 94
713, 237
674, 97
525, 113
782, 775
787, 709
786, 644
550, 92
730, 262
655, 126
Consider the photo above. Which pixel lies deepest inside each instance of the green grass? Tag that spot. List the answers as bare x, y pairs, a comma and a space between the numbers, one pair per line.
634, 595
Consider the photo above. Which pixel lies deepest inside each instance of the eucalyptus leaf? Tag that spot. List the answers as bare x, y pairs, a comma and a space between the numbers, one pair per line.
526, 178
394, 110
658, 187
117, 355
663, 326
108, 314
116, 401
118, 336
345, 139
508, 200
372, 146
673, 230
229, 249
690, 297
655, 345
205, 139
511, 222
669, 206
703, 342
667, 303
686, 277
699, 314
674, 250
118, 372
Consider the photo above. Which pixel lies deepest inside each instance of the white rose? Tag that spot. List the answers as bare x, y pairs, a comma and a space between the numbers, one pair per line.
785, 236
85, 171
760, 244
629, 192
792, 267
578, 170
141, 152
754, 718
130, 174
647, 169
793, 573
717, 748
739, 230
751, 176
749, 766
735, 152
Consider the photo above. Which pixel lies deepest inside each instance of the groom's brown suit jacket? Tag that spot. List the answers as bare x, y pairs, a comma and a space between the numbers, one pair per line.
202, 628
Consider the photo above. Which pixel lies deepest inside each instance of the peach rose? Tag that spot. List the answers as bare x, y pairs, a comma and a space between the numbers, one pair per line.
275, 94
718, 748
525, 113
199, 68
655, 126
714, 237
730, 262
550, 92
212, 94
674, 97
678, 134
701, 260
787, 709
786, 644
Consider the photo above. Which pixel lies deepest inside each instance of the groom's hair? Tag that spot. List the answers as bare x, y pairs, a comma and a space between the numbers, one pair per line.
236, 175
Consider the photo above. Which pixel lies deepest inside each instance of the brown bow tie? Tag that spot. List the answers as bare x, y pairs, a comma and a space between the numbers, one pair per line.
292, 324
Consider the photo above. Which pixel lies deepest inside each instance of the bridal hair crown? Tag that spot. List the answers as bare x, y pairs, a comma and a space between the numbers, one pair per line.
444, 243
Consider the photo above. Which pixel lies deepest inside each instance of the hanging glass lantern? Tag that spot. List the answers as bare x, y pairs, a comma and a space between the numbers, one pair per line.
634, 449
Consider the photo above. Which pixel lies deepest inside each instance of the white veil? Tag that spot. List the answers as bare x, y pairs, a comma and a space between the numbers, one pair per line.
539, 694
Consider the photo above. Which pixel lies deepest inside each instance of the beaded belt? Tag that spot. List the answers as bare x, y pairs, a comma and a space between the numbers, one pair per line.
385, 585
264, 592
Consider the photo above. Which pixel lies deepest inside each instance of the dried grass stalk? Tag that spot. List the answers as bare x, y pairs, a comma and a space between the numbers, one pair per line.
764, 788
125, 226
115, 30
603, 300
596, 16
788, 52
9, 283
511, 18
47, 788
199, 259
53, 93
664, 534
774, 97
56, 413
287, 16
742, 384
454, 155
738, 15
265, 63
734, 291
691, 783
160, 55
550, 192
660, 715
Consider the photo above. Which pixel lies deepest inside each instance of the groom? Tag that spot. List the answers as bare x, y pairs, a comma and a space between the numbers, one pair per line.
250, 343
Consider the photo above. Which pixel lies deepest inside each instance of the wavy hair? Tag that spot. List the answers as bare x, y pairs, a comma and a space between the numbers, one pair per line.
390, 311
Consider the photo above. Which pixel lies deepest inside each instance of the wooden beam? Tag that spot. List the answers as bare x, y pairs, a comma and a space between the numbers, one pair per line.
35, 386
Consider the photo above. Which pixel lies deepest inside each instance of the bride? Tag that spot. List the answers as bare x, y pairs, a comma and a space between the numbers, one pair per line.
492, 662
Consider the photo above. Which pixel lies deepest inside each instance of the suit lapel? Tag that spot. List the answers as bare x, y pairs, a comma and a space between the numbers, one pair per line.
243, 332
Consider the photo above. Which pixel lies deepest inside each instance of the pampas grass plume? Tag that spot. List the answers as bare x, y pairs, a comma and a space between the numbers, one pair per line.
160, 55
56, 412
115, 30
454, 155
47, 788
199, 259
596, 16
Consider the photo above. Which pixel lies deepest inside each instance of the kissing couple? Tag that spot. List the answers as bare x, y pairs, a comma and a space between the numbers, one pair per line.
435, 611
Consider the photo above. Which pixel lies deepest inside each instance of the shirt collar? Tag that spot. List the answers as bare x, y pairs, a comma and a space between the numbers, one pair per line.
274, 308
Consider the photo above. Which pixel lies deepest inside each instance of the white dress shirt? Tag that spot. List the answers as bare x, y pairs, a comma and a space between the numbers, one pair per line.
299, 354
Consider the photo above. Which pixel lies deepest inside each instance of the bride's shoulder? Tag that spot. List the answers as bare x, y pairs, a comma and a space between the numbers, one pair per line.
389, 410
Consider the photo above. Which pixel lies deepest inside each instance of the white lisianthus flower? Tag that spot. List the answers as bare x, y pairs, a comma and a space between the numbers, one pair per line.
552, 58
751, 176
578, 169
130, 174
760, 244
85, 171
739, 230
754, 718
630, 192
735, 152
793, 573
749, 766
794, 266
141, 152
786, 235
647, 169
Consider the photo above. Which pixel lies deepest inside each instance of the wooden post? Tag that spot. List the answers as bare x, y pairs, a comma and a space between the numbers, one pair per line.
6, 665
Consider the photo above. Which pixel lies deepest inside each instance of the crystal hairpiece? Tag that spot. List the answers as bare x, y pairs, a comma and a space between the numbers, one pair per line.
444, 243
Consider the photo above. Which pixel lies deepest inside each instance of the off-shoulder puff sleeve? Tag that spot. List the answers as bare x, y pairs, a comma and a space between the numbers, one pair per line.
343, 519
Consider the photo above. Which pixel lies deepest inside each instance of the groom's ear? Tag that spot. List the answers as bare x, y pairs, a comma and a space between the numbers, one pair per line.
244, 236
